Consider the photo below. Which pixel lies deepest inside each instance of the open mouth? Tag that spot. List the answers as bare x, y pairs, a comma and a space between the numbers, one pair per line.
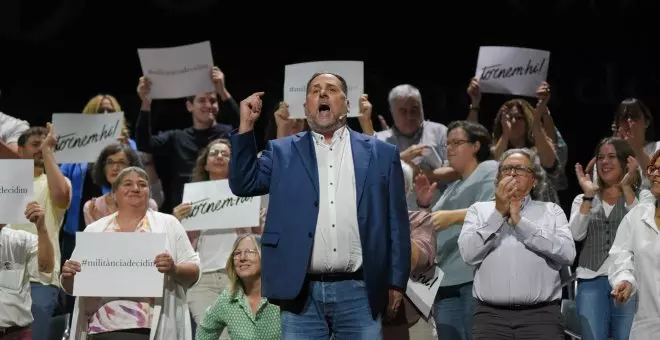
324, 108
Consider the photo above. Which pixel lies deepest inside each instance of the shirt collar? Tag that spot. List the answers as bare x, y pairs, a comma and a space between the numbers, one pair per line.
337, 136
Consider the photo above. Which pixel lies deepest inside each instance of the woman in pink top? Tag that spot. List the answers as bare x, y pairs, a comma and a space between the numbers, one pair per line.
113, 159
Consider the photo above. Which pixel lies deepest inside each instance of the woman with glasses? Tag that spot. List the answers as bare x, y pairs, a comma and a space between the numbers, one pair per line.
241, 308
595, 218
517, 245
112, 160
213, 245
635, 265
469, 155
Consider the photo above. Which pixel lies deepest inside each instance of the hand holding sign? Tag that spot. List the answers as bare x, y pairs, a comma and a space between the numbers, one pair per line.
165, 263
218, 79
182, 210
474, 91
50, 141
143, 89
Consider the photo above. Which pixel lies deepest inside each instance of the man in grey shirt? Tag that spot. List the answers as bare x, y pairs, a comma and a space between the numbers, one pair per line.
10, 129
420, 141
518, 246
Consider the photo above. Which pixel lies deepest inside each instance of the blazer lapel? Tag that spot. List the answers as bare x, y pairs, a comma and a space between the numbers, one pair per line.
361, 147
304, 144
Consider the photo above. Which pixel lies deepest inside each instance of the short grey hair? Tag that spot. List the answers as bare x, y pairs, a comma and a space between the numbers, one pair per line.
120, 177
405, 91
537, 170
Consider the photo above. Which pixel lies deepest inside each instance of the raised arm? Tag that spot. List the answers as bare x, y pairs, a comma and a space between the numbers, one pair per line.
59, 186
249, 175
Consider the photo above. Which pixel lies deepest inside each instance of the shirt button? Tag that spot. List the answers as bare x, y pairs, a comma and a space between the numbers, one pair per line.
334, 249
331, 166
332, 202
333, 225
330, 183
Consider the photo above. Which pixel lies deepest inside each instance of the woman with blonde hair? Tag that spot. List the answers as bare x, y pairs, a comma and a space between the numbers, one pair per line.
213, 245
105, 103
240, 308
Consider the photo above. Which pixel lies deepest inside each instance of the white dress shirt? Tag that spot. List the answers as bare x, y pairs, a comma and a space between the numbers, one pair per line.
636, 259
337, 246
17, 249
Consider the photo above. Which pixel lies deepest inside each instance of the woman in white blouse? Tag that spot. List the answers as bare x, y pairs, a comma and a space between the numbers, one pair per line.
636, 260
111, 318
595, 217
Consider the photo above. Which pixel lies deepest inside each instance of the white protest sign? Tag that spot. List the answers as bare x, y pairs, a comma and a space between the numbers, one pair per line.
81, 137
177, 72
16, 189
296, 77
511, 70
118, 264
423, 288
216, 207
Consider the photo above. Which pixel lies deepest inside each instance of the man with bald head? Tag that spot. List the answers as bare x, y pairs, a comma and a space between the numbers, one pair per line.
336, 245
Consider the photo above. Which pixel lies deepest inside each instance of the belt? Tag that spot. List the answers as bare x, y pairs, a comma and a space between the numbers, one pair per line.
521, 307
10, 330
333, 277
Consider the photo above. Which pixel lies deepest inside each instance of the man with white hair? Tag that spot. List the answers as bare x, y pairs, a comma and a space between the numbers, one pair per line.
421, 142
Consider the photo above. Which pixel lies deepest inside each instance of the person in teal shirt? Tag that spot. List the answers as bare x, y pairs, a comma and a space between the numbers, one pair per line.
241, 308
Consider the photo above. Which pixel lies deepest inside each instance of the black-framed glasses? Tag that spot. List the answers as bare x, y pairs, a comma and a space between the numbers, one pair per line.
518, 170
651, 169
456, 143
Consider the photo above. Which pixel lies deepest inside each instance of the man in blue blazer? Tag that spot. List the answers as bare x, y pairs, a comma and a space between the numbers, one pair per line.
336, 246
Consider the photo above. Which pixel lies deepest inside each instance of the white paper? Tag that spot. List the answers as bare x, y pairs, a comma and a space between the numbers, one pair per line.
296, 77
118, 264
511, 70
216, 207
423, 288
81, 137
16, 189
432, 158
177, 72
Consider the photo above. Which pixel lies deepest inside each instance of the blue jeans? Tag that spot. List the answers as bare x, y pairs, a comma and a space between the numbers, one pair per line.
338, 308
597, 311
44, 300
453, 311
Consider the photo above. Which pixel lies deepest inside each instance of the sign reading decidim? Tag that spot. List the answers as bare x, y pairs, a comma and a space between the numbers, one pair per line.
296, 77
118, 264
16, 189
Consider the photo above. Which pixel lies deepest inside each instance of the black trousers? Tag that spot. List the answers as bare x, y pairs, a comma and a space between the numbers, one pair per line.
538, 322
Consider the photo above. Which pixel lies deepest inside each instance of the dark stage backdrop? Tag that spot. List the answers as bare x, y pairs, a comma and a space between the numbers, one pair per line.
56, 55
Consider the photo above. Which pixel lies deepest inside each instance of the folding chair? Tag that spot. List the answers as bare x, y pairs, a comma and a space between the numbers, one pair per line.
572, 327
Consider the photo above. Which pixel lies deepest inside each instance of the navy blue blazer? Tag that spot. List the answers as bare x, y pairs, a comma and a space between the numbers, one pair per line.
287, 170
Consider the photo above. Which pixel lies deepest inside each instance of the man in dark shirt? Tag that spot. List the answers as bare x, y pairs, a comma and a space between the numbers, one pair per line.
175, 151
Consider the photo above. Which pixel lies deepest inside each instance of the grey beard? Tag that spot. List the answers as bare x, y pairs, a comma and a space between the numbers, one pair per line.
323, 129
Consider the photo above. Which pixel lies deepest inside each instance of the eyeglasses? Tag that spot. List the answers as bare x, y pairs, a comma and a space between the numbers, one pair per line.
651, 169
518, 170
223, 154
455, 143
110, 163
249, 254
